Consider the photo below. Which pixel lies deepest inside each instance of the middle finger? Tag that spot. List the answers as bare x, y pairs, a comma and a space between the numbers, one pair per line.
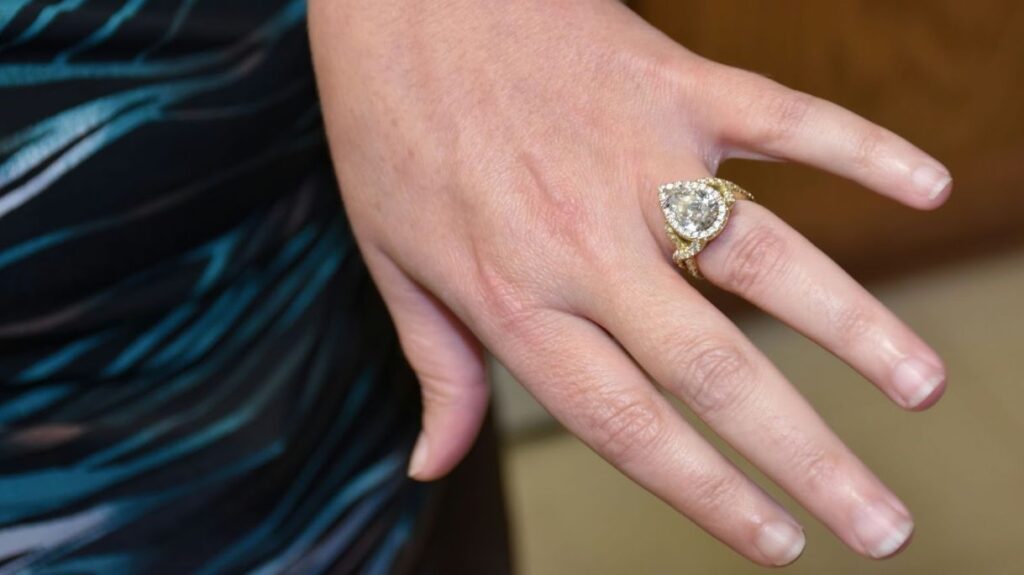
768, 263
691, 349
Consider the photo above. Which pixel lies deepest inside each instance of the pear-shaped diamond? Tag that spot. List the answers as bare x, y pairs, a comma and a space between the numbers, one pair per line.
694, 210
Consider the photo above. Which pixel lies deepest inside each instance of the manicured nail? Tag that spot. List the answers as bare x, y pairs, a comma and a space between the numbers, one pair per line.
932, 181
881, 529
419, 457
915, 380
781, 542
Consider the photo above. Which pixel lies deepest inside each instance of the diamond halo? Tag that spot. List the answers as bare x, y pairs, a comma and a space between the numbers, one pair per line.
695, 210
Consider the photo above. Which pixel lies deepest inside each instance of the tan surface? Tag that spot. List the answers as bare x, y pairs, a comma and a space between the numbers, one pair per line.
960, 466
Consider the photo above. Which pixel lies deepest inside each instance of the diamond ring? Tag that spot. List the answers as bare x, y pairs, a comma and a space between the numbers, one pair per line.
696, 211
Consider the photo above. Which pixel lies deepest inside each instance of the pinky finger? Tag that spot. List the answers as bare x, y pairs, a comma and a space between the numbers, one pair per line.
450, 366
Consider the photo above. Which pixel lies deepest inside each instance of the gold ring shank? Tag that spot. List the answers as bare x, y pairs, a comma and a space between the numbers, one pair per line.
696, 212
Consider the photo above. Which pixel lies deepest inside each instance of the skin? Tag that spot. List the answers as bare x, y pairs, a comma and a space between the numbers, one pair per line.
500, 169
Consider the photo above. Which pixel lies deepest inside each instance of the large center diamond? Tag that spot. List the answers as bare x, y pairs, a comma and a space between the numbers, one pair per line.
694, 211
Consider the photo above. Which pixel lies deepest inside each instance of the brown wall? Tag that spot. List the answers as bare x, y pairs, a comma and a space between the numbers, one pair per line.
947, 75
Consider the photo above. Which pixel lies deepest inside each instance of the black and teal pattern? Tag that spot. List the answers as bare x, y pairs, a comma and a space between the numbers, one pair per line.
196, 374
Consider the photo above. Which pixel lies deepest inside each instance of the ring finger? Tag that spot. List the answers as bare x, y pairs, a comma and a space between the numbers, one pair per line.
768, 263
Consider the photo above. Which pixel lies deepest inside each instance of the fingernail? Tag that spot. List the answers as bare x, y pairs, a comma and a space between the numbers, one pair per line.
881, 529
419, 457
931, 181
780, 542
915, 380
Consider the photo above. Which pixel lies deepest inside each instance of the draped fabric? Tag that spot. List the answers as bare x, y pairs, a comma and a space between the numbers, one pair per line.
196, 374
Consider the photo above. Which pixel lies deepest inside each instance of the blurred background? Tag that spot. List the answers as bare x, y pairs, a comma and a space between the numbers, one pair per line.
949, 76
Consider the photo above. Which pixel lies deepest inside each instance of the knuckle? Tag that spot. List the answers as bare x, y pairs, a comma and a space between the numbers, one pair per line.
867, 147
777, 115
584, 245
655, 71
757, 256
820, 469
507, 304
717, 377
437, 392
850, 322
627, 428
459, 388
714, 491
785, 116
564, 215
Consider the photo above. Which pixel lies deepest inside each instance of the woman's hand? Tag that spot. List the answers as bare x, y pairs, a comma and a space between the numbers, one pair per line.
500, 163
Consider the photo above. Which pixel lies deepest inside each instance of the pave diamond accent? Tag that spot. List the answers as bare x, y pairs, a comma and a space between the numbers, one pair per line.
694, 209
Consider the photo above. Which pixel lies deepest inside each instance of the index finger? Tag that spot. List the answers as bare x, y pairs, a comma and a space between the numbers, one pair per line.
760, 118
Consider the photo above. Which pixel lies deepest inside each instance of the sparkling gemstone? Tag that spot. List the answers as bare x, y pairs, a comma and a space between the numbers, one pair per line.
694, 212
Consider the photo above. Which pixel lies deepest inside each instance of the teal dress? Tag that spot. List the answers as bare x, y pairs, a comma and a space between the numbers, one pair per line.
196, 373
